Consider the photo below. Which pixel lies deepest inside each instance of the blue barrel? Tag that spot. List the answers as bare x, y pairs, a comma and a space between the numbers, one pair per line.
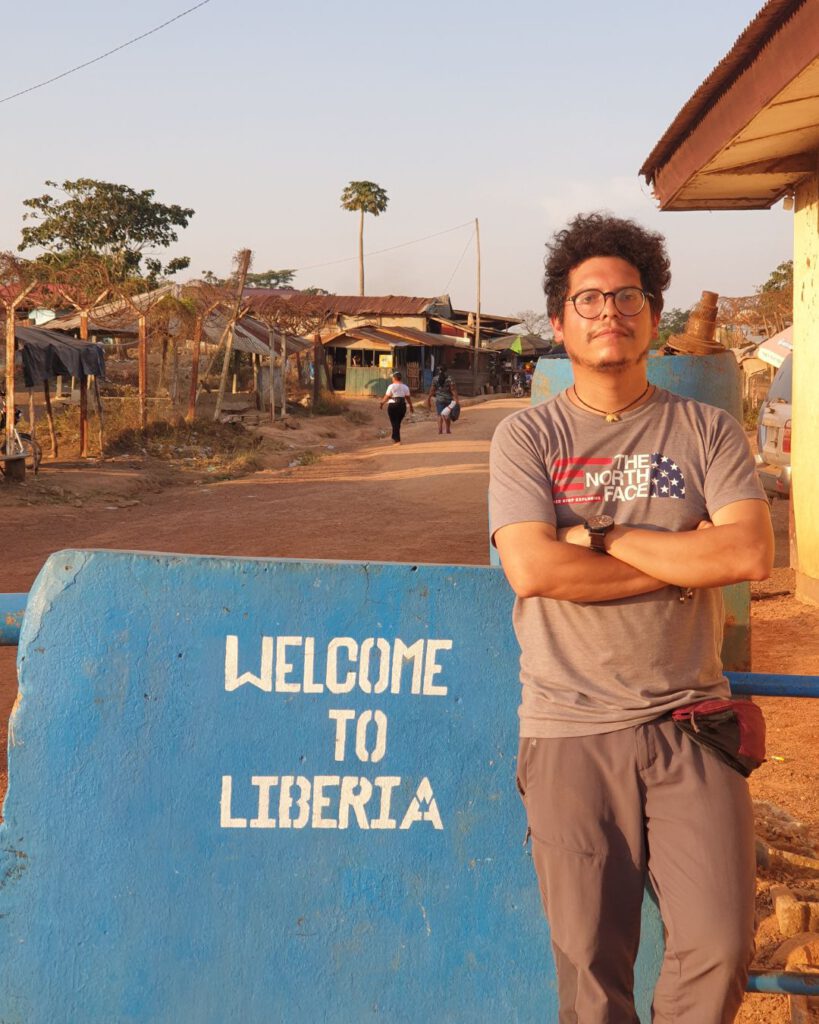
715, 379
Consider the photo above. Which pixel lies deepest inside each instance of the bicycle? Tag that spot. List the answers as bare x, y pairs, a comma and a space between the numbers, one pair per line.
21, 442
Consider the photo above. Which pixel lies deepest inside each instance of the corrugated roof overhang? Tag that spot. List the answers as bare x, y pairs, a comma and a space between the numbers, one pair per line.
750, 133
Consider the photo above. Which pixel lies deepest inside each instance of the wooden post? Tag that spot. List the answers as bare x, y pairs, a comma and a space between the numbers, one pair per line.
196, 344
32, 425
175, 374
143, 371
361, 253
10, 377
83, 390
98, 400
284, 376
213, 358
11, 309
83, 417
163, 365
52, 433
316, 367
271, 389
241, 277
477, 311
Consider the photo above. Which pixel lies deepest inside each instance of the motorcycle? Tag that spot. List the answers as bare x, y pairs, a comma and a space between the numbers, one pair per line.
519, 384
21, 443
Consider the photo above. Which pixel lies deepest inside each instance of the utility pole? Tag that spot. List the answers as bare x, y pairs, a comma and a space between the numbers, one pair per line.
477, 310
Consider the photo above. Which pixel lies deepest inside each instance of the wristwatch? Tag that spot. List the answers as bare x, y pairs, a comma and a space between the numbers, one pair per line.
598, 527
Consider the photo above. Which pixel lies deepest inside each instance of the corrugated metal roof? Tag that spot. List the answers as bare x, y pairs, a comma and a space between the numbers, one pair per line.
358, 305
116, 313
416, 337
459, 315
739, 58
392, 337
251, 336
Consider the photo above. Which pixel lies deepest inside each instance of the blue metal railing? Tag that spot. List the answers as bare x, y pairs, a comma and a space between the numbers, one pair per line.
791, 983
761, 684
12, 607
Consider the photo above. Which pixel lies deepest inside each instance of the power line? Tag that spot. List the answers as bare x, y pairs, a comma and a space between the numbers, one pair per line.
377, 252
102, 56
460, 261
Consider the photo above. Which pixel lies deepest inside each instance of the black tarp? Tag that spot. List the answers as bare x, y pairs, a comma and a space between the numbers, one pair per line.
50, 354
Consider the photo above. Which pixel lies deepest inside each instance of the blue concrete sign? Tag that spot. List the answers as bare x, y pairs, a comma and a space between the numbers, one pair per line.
269, 791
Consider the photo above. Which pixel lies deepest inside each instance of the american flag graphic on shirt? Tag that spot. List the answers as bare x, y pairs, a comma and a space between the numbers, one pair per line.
667, 480
577, 481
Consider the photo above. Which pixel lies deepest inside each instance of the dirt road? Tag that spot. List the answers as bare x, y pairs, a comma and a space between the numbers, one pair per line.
421, 500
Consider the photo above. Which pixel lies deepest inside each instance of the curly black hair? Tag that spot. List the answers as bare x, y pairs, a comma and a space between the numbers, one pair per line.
600, 234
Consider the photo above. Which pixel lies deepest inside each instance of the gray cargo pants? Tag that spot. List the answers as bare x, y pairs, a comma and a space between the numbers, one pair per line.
605, 810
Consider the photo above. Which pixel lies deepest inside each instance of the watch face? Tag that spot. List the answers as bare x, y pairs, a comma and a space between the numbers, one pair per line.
602, 522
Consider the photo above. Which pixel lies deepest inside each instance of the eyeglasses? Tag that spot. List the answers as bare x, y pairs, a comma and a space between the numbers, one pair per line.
591, 302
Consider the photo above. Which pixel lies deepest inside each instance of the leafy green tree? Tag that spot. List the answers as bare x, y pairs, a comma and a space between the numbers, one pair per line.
779, 279
271, 279
673, 321
108, 220
366, 197
265, 279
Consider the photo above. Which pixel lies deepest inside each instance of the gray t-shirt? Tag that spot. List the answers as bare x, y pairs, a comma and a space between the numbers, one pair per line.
589, 668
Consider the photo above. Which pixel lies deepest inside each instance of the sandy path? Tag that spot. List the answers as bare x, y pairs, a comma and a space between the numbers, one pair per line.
423, 500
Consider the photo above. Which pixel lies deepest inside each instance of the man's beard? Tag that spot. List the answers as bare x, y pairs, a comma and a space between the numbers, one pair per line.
611, 365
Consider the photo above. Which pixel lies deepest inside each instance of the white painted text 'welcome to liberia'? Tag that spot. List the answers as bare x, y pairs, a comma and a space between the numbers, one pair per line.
374, 665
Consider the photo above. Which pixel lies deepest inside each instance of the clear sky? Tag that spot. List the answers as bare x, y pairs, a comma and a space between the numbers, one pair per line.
258, 114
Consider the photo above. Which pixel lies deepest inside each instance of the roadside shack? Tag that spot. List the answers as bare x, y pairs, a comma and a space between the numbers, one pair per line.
364, 358
47, 355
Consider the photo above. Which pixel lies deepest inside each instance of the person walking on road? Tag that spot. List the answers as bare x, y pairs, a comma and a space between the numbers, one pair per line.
444, 392
397, 397
619, 510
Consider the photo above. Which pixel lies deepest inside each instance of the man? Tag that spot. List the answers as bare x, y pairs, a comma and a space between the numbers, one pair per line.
619, 510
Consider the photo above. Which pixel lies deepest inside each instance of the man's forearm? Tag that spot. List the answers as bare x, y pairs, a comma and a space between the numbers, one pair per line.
715, 557
564, 572
598, 578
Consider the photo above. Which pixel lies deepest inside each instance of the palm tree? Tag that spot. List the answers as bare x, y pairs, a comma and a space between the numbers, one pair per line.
366, 197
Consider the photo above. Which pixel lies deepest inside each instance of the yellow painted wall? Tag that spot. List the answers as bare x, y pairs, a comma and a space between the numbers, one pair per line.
805, 486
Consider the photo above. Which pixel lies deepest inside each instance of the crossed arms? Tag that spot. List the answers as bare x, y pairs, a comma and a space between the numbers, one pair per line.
736, 545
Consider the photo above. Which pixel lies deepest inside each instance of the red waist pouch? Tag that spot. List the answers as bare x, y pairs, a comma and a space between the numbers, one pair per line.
734, 730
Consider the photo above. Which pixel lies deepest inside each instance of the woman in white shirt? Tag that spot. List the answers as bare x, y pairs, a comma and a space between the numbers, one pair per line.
396, 397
